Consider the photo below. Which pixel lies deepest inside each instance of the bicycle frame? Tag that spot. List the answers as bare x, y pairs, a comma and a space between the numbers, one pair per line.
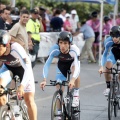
65, 110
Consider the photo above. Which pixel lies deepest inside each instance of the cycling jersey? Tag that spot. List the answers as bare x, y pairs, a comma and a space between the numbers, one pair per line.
19, 63
5, 75
108, 56
65, 62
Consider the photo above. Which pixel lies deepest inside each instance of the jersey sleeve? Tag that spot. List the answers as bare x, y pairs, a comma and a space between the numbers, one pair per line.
76, 64
107, 44
52, 54
18, 51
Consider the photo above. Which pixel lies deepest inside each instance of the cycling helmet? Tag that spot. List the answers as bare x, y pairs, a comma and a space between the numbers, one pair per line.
94, 14
106, 18
115, 31
4, 37
65, 36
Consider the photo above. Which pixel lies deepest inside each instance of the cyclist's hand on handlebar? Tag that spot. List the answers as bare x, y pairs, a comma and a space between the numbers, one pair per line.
20, 90
71, 84
42, 84
101, 70
1, 90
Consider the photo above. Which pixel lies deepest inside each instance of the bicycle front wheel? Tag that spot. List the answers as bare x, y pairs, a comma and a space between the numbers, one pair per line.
110, 103
57, 105
116, 101
4, 113
76, 113
24, 112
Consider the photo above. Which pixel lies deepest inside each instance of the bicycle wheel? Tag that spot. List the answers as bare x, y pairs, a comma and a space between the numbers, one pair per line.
110, 103
4, 113
76, 113
23, 109
57, 101
116, 101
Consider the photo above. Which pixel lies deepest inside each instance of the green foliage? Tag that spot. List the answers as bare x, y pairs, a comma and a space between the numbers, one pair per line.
5, 2
83, 9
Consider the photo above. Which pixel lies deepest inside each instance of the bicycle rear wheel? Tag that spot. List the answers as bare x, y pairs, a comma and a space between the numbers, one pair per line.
111, 103
4, 113
57, 104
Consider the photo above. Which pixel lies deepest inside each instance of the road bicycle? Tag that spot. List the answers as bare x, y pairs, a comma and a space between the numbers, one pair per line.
114, 97
63, 103
14, 109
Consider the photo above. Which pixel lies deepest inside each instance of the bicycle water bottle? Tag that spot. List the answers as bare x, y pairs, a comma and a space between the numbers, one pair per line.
17, 114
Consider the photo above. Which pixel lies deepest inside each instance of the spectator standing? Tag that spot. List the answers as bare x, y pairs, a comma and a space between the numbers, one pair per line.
4, 16
107, 26
62, 15
118, 20
89, 38
33, 26
67, 26
94, 22
73, 20
56, 22
18, 31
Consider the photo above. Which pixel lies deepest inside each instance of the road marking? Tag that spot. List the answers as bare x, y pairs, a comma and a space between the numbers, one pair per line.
82, 88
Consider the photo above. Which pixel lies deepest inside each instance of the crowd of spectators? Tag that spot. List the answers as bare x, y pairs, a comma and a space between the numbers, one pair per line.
57, 20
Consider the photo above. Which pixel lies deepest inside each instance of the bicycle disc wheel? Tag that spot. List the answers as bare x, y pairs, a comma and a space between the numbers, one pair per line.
57, 105
24, 112
4, 114
110, 104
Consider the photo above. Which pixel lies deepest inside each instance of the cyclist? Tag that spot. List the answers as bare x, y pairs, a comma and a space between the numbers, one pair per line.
110, 54
67, 55
5, 74
18, 62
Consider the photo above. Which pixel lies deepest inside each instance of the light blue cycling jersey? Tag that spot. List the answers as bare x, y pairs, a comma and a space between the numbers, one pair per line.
5, 75
65, 61
108, 56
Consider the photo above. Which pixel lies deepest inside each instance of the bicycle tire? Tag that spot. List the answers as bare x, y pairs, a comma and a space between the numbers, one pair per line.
54, 110
116, 101
110, 103
3, 113
23, 109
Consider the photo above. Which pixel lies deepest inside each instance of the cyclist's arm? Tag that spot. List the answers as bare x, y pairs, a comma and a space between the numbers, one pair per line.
107, 44
24, 61
76, 65
48, 62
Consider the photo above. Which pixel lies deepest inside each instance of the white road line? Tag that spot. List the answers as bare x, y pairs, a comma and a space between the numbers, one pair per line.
82, 88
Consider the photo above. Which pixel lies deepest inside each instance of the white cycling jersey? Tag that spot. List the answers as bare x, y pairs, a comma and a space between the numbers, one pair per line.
19, 63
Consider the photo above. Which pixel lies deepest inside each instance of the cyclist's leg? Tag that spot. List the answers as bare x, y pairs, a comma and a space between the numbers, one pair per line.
76, 88
5, 78
59, 76
29, 100
110, 62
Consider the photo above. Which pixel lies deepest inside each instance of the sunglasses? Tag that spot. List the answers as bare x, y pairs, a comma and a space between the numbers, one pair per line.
117, 35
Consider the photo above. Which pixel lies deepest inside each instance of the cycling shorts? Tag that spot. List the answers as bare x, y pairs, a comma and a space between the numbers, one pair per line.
5, 75
62, 68
30, 87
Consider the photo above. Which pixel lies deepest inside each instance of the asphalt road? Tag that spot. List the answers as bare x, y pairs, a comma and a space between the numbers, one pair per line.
93, 102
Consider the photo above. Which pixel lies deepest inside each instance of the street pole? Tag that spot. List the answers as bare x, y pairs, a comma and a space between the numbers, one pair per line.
115, 11
31, 4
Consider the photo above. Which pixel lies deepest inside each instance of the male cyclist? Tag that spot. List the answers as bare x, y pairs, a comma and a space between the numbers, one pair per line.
18, 62
67, 55
110, 54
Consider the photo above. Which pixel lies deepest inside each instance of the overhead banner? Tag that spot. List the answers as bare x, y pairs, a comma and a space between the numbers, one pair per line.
111, 1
